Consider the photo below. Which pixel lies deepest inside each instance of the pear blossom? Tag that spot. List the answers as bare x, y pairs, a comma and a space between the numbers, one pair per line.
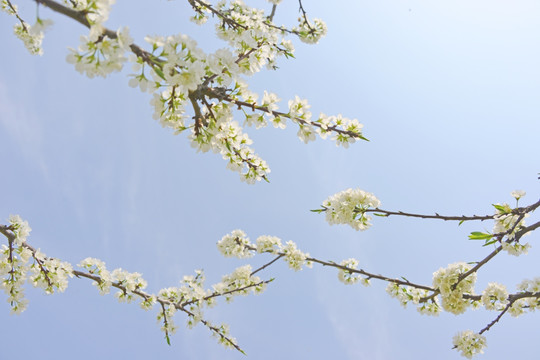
235, 244
495, 297
349, 207
446, 281
469, 343
518, 194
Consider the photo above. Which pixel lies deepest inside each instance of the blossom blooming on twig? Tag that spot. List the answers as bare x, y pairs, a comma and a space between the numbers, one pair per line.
469, 344
349, 207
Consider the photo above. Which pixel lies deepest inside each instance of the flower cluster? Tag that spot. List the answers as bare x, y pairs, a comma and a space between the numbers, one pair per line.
15, 269
495, 297
98, 54
505, 220
406, 294
348, 277
268, 244
127, 283
20, 228
447, 280
102, 51
237, 244
8, 7
240, 282
98, 268
310, 33
96, 11
469, 343
31, 36
532, 302
349, 207
50, 273
294, 257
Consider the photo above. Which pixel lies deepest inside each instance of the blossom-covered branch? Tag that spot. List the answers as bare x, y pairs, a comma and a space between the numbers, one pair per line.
178, 73
452, 288
52, 275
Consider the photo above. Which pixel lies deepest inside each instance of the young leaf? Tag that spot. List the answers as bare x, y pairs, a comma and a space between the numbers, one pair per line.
501, 208
476, 235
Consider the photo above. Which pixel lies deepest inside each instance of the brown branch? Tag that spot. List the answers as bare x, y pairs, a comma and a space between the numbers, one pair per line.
356, 271
387, 213
266, 265
23, 23
80, 17
213, 93
226, 19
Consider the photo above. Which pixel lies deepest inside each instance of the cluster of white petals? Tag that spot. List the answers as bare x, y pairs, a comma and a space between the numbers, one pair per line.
235, 244
311, 33
240, 282
99, 54
97, 267
505, 220
531, 303
348, 277
495, 297
13, 272
468, 343
406, 294
50, 273
129, 282
20, 228
97, 11
32, 36
294, 257
15, 268
10, 9
349, 207
269, 244
446, 280
516, 248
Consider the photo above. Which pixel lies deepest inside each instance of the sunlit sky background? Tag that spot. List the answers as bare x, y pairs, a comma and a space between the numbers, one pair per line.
448, 92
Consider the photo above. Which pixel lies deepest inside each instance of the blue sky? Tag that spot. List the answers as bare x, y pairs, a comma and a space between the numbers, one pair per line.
448, 94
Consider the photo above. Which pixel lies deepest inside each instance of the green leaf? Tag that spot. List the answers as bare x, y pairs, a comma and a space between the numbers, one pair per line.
383, 215
476, 235
501, 208
159, 72
168, 339
318, 210
461, 222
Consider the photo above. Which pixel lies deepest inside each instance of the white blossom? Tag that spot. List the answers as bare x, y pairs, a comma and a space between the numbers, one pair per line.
469, 343
495, 297
294, 257
267, 243
235, 244
445, 279
518, 194
349, 207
